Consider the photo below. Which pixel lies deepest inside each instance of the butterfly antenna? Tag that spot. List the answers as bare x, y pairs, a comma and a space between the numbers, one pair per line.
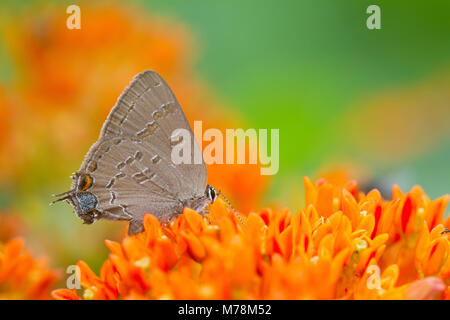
60, 199
66, 194
230, 206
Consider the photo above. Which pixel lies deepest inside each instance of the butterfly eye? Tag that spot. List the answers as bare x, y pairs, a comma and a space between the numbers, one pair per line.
85, 182
212, 193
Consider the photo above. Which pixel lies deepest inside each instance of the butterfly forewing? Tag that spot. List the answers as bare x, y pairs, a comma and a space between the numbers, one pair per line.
149, 111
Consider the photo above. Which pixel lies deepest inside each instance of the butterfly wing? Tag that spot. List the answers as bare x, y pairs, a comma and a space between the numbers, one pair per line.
148, 110
131, 162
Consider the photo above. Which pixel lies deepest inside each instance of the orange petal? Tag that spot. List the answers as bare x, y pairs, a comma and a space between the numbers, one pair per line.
254, 229
286, 242
194, 220
366, 256
324, 203
350, 208
326, 246
152, 228
266, 215
114, 247
107, 274
387, 218
406, 213
88, 277
438, 254
367, 223
338, 264
434, 213
164, 254
422, 244
65, 294
396, 192
310, 191
377, 217
195, 248
379, 240
352, 187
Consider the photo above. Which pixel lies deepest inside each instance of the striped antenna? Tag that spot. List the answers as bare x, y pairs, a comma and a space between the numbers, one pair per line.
230, 206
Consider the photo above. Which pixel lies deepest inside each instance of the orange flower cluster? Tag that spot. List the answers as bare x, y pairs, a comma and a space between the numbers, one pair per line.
343, 245
21, 276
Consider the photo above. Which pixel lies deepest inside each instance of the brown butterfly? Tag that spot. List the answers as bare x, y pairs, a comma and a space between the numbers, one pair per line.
128, 172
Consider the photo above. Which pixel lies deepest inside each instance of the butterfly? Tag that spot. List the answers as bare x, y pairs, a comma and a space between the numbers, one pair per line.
128, 172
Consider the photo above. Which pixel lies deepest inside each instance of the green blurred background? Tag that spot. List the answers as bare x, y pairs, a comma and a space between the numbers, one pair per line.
373, 103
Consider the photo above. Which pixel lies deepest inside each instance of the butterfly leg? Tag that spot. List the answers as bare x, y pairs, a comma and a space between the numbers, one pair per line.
135, 227
172, 217
203, 212
166, 224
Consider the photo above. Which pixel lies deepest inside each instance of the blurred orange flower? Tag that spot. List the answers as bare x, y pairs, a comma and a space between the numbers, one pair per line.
343, 245
21, 276
66, 81
10, 226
